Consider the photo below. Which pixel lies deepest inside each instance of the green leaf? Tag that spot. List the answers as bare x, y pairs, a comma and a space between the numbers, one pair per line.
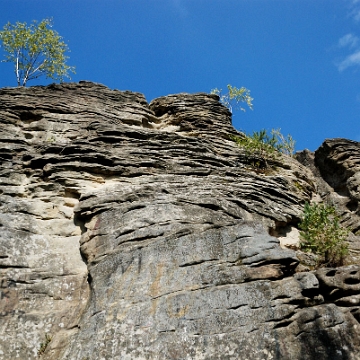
234, 97
35, 50
322, 234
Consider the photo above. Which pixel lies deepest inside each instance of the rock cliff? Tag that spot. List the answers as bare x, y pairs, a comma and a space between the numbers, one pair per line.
131, 230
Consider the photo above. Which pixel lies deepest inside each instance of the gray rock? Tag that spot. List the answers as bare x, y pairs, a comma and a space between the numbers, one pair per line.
336, 168
139, 231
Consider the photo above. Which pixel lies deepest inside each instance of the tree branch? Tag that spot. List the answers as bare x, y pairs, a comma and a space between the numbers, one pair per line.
29, 70
17, 67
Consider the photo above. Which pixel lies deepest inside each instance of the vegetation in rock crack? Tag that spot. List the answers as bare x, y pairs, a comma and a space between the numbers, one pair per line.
35, 50
322, 234
44, 344
234, 97
260, 147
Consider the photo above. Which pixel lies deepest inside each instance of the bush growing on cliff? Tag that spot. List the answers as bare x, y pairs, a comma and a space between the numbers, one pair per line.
285, 145
263, 147
35, 50
234, 97
44, 345
322, 234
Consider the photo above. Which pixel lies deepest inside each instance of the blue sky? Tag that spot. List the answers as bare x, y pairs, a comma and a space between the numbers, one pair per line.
299, 58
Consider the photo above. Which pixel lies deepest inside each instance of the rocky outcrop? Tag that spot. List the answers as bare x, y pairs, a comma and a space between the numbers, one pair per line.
140, 231
336, 168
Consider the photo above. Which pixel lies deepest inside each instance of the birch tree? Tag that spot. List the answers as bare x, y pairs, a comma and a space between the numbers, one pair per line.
35, 50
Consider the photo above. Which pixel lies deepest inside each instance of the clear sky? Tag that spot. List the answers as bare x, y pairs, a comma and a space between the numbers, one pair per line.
299, 58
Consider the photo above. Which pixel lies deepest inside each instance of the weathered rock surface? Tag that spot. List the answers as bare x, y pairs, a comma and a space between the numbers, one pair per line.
336, 167
138, 231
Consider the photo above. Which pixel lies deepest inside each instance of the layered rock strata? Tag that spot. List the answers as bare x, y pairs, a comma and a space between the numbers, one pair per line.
140, 231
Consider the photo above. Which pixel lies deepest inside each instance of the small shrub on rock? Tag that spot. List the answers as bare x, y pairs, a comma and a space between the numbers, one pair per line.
261, 147
234, 97
44, 345
322, 234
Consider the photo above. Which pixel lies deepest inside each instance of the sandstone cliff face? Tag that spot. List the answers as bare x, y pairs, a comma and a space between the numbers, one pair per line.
138, 231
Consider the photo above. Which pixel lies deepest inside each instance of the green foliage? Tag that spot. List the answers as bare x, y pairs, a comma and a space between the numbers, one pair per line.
234, 97
285, 145
44, 344
35, 50
262, 147
322, 234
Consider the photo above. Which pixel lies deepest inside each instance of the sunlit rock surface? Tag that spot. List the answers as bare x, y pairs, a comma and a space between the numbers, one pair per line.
140, 231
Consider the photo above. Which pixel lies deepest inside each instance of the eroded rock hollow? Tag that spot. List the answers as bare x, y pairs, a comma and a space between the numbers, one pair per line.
131, 230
